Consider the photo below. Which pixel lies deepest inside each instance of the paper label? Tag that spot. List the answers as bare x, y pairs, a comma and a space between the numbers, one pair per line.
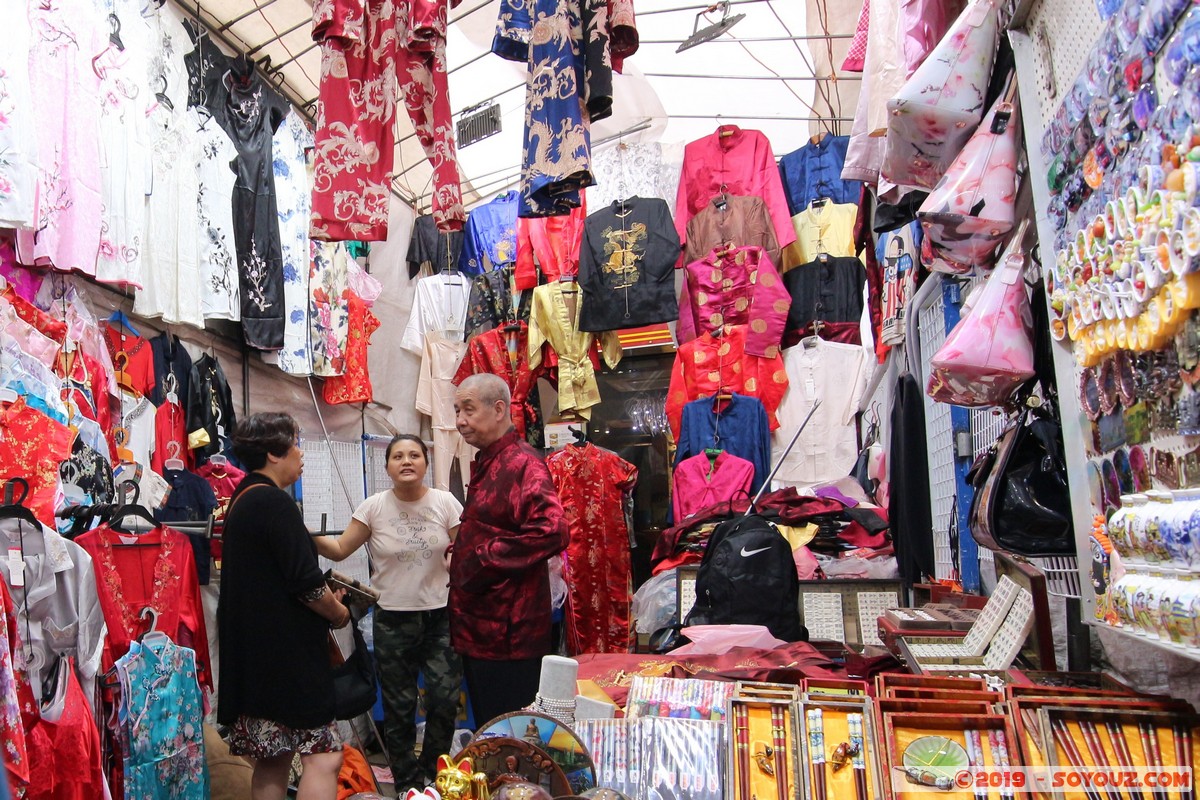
16, 568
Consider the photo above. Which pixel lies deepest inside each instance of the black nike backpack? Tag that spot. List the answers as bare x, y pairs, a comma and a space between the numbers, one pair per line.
748, 577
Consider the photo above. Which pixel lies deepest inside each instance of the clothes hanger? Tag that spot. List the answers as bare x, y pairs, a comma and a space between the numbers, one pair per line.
173, 460
152, 635
813, 340
129, 508
114, 35
578, 435
15, 508
118, 319
161, 94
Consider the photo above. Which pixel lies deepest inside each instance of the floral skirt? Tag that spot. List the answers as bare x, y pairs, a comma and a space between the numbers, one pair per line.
263, 738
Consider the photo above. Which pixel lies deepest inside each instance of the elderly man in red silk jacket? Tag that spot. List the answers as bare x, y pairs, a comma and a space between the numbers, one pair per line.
499, 583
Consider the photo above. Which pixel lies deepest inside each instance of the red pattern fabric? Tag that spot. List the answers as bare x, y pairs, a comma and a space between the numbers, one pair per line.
13, 753
488, 352
43, 322
138, 368
710, 365
223, 480
354, 384
591, 484
864, 242
511, 525
31, 447
785, 664
375, 54
739, 288
554, 240
70, 768
161, 576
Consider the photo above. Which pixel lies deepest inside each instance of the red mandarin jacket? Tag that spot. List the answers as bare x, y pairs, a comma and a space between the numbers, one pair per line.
499, 585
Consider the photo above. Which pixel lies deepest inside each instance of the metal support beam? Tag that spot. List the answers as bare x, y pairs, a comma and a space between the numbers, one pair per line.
834, 78
704, 7
469, 12
257, 8
479, 57
296, 57
750, 116
302, 24
742, 40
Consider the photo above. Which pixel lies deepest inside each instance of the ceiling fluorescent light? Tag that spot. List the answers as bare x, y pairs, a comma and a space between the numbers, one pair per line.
712, 31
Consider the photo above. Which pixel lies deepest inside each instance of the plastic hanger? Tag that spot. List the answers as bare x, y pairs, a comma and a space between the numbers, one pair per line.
118, 318
173, 460
152, 634
161, 94
129, 508
15, 508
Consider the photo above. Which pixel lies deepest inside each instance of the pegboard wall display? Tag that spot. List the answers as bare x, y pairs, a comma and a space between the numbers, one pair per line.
322, 491
939, 440
1110, 89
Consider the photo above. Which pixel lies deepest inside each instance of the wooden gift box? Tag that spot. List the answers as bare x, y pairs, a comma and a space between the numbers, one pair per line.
902, 729
742, 769
1039, 644
749, 690
833, 687
848, 610
915, 693
886, 680
1074, 681
840, 783
890, 633
1172, 748
947, 709
917, 619
1031, 734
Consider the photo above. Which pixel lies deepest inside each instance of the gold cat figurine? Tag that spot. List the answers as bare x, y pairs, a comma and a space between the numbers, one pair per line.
458, 782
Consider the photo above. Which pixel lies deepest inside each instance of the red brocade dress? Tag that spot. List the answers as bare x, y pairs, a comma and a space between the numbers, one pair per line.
591, 483
159, 572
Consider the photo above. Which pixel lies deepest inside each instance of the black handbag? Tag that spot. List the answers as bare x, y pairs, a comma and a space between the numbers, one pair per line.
1021, 503
354, 691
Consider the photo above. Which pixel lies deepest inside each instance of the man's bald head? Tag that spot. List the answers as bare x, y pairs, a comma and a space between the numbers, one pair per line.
482, 409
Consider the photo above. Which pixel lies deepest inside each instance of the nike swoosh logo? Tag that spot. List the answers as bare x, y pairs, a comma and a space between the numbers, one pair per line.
747, 553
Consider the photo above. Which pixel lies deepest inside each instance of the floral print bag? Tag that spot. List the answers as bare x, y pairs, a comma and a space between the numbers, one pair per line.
934, 114
970, 212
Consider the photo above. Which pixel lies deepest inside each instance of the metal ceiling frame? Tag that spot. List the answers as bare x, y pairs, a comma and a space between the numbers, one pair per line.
223, 31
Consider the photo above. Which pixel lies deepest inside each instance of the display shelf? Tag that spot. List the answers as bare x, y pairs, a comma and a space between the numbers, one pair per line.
1048, 66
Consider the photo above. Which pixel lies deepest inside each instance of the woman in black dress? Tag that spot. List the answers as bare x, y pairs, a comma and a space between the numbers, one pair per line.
276, 687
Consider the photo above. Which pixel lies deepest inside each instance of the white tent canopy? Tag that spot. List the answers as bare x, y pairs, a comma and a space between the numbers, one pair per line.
760, 75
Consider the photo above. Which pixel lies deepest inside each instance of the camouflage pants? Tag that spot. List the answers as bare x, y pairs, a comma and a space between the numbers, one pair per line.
408, 643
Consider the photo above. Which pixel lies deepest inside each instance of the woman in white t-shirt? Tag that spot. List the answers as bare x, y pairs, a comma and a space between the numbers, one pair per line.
408, 530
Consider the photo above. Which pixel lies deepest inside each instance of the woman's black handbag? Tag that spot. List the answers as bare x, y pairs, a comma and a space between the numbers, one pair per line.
1021, 501
354, 691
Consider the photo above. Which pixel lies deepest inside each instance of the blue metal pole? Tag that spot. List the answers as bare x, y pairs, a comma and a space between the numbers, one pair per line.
960, 423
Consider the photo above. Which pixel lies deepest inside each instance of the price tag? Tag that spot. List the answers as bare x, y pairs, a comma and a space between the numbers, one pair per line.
16, 568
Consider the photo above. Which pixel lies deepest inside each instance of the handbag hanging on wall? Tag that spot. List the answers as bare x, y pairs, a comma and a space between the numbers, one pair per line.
934, 114
1021, 501
989, 354
971, 211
